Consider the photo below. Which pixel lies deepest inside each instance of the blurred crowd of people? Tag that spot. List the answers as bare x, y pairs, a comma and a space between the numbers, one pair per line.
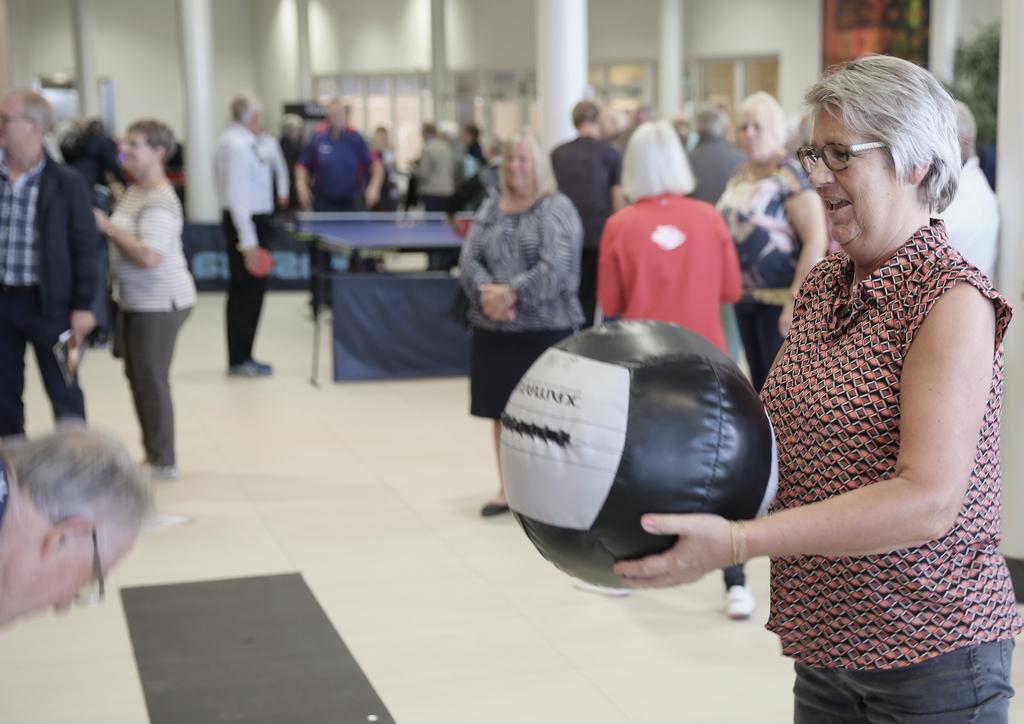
701, 222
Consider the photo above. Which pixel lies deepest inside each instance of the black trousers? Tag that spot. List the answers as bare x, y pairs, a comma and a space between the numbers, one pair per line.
22, 322
759, 330
588, 284
245, 292
320, 259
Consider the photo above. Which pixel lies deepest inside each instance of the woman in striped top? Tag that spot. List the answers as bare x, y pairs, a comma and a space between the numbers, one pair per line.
155, 290
521, 271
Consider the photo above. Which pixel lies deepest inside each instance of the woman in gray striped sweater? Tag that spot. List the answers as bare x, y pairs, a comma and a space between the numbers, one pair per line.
154, 288
521, 271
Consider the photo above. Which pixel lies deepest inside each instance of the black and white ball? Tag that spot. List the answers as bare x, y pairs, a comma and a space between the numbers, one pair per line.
625, 419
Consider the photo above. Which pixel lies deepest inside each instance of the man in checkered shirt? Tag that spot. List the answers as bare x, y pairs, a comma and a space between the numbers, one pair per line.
48, 246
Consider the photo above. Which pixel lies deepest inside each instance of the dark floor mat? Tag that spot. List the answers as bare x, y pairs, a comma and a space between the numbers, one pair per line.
253, 650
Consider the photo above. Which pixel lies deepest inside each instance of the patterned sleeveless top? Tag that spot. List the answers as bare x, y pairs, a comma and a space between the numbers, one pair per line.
834, 401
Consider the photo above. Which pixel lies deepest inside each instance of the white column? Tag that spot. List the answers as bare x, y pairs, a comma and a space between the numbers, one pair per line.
561, 66
438, 61
942, 35
670, 58
305, 57
197, 57
5, 49
1010, 188
84, 33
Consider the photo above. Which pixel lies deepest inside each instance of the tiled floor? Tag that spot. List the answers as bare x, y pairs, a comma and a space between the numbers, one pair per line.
371, 491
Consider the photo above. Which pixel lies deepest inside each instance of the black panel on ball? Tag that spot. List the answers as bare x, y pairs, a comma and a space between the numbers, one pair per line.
637, 342
745, 450
578, 552
697, 441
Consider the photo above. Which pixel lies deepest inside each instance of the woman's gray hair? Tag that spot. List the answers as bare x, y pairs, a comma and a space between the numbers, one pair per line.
80, 472
157, 135
655, 163
543, 173
902, 105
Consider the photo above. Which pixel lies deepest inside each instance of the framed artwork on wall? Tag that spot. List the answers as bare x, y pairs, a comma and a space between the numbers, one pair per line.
856, 28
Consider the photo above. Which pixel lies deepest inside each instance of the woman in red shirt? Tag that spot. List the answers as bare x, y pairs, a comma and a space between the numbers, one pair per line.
670, 258
666, 257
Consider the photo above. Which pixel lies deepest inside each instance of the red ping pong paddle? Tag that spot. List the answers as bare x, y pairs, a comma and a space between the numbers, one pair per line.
264, 264
462, 227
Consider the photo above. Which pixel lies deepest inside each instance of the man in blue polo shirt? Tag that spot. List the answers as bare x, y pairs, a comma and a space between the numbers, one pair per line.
338, 171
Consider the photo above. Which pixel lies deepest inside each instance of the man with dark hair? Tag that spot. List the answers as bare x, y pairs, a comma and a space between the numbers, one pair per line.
48, 265
588, 171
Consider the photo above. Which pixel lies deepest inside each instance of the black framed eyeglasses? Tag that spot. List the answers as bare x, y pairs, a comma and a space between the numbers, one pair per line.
93, 592
835, 155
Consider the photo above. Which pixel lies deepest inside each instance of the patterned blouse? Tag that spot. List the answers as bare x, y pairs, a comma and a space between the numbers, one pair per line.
536, 252
834, 401
768, 247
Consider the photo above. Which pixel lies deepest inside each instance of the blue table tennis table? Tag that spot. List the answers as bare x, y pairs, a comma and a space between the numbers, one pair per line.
386, 325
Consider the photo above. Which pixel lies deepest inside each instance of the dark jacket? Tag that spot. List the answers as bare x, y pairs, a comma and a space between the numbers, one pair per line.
94, 156
714, 161
68, 241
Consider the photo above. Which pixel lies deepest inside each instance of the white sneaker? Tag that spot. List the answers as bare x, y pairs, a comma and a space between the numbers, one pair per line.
161, 472
165, 472
601, 590
739, 603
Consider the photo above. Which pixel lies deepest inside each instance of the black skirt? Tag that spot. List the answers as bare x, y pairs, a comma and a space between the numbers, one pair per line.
498, 361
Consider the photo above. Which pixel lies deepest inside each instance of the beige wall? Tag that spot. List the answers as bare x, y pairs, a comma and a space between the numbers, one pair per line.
136, 46
234, 51
789, 28
373, 36
275, 65
491, 34
623, 30
5, 62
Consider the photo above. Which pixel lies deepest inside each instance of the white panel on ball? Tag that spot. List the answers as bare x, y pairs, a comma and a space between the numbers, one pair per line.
561, 484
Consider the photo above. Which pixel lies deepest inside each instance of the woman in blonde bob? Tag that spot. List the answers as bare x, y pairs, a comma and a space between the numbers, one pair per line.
520, 271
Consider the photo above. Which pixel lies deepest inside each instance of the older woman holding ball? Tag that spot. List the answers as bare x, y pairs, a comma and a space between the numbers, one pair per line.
888, 587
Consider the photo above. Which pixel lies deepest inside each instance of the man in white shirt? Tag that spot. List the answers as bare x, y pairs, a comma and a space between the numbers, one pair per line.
245, 186
972, 219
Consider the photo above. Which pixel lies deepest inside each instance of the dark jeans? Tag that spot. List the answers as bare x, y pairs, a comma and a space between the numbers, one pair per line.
969, 685
148, 342
734, 576
759, 330
434, 203
439, 259
320, 259
22, 322
588, 284
245, 291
